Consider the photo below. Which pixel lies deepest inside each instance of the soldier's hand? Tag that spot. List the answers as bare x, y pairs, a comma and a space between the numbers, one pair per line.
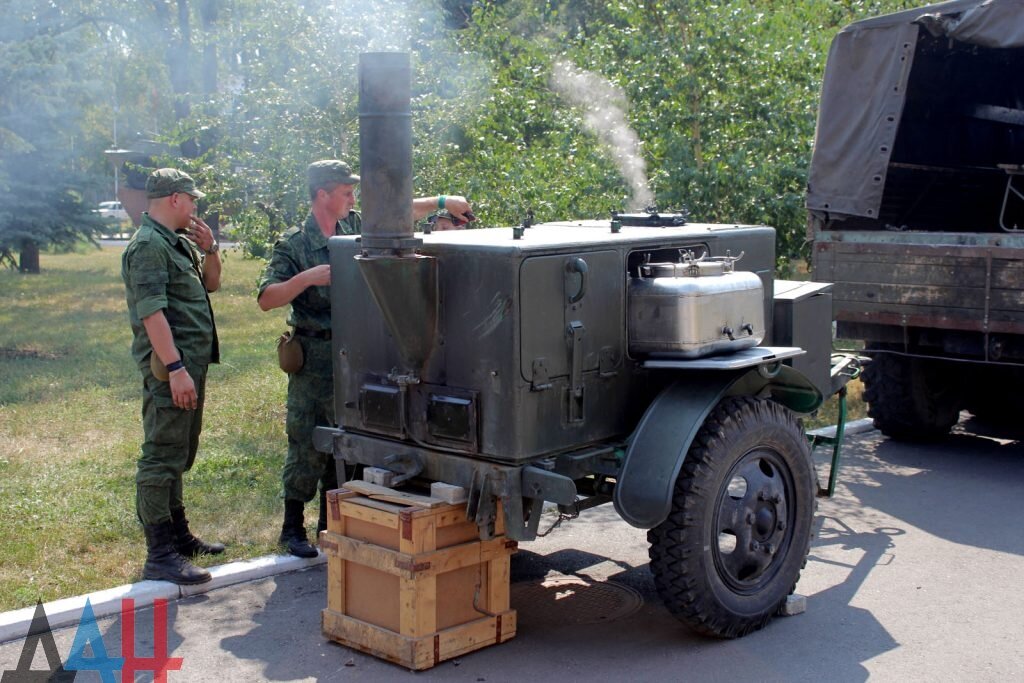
200, 233
183, 390
318, 276
459, 207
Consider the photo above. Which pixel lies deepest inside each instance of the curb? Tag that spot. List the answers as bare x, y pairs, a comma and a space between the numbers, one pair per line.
15, 624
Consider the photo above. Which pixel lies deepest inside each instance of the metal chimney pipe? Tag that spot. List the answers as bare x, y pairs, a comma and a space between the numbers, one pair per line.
385, 151
402, 282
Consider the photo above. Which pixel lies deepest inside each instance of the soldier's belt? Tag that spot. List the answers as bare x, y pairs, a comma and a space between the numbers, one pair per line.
315, 334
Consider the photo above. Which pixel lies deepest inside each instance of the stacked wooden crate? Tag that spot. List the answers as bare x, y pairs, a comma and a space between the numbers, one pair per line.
409, 580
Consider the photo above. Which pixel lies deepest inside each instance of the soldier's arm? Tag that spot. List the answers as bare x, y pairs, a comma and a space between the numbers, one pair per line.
281, 293
183, 388
211, 271
202, 235
456, 205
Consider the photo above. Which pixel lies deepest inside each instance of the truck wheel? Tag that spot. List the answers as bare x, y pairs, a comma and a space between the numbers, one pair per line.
732, 547
909, 398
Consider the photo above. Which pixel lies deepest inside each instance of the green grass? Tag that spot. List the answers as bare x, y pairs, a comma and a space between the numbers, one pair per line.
70, 429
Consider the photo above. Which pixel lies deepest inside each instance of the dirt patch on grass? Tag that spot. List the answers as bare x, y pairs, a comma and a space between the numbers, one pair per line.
42, 445
25, 352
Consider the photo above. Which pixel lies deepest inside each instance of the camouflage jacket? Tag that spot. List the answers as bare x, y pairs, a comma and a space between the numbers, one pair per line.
163, 270
300, 249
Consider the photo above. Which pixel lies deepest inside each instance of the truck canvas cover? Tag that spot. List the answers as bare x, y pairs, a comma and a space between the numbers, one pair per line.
865, 95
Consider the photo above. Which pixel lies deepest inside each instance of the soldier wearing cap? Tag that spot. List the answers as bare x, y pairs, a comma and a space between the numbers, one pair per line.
169, 267
299, 274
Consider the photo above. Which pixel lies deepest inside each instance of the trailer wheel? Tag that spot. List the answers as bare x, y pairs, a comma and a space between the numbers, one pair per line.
910, 399
738, 534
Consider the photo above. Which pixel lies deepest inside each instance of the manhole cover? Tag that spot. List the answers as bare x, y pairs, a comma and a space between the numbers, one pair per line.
573, 600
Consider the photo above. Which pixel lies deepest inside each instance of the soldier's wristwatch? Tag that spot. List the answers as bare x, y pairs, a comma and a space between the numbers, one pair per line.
214, 248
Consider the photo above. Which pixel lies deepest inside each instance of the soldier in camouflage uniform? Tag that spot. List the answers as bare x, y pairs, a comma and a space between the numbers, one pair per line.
169, 267
299, 274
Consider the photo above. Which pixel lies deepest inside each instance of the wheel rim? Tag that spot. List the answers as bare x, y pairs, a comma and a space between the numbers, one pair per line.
752, 521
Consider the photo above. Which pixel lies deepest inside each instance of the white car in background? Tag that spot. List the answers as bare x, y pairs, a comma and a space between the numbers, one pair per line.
112, 210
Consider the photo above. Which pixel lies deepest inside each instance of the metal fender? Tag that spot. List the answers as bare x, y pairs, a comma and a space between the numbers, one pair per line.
658, 446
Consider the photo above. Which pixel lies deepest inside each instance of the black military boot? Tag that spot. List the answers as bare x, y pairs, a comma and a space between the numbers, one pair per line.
187, 544
164, 563
293, 531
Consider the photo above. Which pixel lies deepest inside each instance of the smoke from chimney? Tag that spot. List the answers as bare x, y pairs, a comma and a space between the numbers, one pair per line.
604, 106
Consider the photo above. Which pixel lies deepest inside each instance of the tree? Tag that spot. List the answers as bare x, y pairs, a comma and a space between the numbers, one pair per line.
43, 88
722, 98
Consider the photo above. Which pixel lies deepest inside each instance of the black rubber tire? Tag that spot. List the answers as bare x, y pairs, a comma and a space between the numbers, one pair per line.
729, 587
909, 398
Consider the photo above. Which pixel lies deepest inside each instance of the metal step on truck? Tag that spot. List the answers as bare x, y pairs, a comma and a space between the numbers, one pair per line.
642, 361
916, 210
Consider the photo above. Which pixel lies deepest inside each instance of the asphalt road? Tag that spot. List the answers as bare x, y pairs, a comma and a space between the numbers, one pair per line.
914, 575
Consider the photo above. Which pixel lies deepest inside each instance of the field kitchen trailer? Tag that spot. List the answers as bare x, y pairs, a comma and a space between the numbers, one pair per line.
642, 361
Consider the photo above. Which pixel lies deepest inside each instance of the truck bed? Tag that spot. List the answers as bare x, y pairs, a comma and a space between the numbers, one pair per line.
954, 281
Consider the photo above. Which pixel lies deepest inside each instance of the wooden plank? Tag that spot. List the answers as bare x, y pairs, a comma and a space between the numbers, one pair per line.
456, 534
912, 274
455, 515
420, 652
335, 583
1008, 275
377, 557
377, 504
883, 250
459, 640
335, 522
392, 496
412, 566
417, 606
893, 296
498, 580
370, 639
464, 555
356, 510
419, 534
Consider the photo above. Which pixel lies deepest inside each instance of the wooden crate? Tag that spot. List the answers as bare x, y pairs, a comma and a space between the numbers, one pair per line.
413, 585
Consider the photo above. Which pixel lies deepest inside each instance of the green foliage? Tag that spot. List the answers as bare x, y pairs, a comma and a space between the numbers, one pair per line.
722, 97
41, 189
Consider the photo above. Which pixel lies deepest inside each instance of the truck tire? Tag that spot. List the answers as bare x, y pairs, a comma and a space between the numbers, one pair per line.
737, 537
909, 398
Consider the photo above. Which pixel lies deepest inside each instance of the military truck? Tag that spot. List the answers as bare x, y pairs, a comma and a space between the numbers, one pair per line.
581, 363
916, 204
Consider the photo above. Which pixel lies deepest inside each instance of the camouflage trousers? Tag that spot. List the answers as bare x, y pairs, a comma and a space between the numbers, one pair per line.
310, 405
169, 447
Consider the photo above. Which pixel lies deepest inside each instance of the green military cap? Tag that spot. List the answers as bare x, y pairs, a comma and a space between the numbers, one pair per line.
330, 171
164, 182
